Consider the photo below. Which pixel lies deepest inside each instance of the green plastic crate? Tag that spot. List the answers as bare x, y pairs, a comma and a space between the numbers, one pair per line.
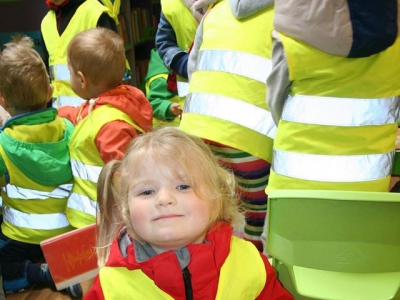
396, 163
336, 245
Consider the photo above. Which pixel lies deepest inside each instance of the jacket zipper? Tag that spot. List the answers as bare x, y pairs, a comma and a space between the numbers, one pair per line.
188, 283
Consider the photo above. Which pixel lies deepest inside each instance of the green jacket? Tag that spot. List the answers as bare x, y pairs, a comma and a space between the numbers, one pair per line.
157, 89
35, 174
44, 150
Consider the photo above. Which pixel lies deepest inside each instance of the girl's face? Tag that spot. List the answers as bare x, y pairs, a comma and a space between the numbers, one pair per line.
165, 211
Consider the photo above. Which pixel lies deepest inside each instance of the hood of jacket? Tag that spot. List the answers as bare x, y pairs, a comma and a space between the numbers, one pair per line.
240, 8
156, 65
44, 157
246, 8
131, 101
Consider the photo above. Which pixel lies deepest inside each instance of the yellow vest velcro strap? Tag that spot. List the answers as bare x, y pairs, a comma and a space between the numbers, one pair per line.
84, 171
324, 167
244, 64
61, 72
34, 221
82, 203
231, 110
341, 111
61, 192
114, 7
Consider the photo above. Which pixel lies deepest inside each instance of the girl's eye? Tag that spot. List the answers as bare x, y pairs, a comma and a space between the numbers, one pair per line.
147, 192
183, 187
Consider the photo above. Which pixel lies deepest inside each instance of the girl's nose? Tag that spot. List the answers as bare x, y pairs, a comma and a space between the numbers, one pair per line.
165, 197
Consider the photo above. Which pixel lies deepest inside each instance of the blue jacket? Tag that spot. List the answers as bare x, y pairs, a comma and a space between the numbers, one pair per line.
174, 57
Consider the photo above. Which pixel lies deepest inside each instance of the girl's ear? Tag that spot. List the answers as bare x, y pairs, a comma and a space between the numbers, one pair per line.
83, 79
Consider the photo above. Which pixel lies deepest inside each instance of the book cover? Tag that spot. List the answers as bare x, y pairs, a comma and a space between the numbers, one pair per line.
123, 31
136, 24
71, 256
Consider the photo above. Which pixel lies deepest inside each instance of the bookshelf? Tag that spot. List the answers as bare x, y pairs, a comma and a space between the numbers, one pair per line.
138, 24
21, 17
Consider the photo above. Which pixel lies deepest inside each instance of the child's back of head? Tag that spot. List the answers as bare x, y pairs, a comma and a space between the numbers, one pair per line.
24, 83
98, 53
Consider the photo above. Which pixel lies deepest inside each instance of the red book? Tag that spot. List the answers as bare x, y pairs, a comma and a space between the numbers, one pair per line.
71, 256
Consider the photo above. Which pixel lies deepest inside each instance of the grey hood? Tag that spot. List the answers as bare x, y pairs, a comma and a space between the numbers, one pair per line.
240, 8
245, 8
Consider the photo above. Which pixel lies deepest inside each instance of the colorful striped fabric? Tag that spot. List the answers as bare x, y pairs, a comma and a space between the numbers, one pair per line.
251, 175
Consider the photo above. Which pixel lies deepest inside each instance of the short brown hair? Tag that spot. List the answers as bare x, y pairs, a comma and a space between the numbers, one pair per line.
99, 54
24, 81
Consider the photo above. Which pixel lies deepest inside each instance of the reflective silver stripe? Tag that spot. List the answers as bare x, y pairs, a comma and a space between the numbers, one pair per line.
61, 72
231, 110
341, 111
16, 192
67, 100
85, 172
183, 88
82, 203
34, 221
332, 168
240, 63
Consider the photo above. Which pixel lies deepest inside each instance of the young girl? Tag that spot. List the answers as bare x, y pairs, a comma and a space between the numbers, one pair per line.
178, 207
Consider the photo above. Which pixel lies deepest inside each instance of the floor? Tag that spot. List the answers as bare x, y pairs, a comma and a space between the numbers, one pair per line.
45, 293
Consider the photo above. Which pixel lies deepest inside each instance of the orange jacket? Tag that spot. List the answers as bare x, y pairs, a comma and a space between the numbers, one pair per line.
113, 139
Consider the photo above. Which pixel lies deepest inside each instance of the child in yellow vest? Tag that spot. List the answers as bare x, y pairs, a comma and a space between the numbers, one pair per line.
35, 170
111, 116
165, 103
334, 94
177, 242
64, 20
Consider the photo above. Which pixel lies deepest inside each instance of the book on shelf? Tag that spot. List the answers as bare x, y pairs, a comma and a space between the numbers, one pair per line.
71, 256
142, 25
123, 30
136, 25
142, 66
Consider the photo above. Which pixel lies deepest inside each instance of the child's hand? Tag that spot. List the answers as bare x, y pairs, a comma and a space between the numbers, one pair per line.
176, 109
398, 139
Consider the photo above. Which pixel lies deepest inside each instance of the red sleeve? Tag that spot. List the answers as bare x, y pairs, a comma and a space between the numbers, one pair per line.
69, 112
273, 289
95, 292
113, 140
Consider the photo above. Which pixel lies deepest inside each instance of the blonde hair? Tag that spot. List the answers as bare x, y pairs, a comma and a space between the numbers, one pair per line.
180, 152
99, 54
24, 82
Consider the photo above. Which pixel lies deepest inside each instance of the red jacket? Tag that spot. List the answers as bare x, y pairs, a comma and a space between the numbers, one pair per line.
113, 139
206, 260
